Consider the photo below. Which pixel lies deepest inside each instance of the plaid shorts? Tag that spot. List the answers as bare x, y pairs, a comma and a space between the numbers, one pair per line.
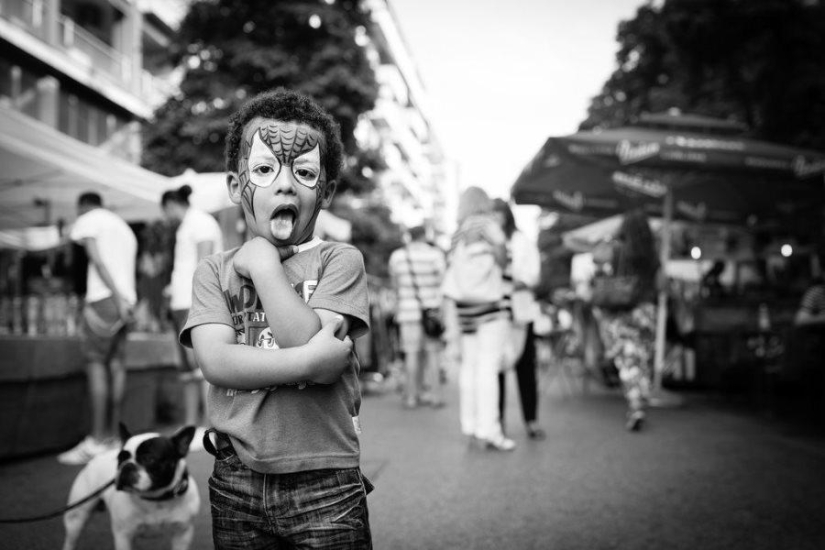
104, 334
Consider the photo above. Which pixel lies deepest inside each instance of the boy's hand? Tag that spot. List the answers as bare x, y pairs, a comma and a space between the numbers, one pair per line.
332, 356
260, 254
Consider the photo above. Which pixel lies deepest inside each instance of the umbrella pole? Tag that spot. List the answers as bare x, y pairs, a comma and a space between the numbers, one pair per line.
658, 396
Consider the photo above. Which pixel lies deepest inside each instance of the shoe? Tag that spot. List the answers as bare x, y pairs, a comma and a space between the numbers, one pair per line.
535, 433
83, 452
432, 401
111, 443
635, 421
411, 404
500, 443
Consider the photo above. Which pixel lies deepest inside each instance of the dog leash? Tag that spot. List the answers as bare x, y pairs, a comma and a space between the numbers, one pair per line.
62, 510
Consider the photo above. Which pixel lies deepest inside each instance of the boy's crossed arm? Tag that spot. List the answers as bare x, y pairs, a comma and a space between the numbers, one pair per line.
228, 365
292, 321
307, 352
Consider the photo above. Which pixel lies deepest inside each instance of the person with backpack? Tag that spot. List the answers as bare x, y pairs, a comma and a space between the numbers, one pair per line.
474, 283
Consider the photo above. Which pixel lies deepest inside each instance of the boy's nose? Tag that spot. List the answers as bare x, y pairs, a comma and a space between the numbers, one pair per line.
285, 182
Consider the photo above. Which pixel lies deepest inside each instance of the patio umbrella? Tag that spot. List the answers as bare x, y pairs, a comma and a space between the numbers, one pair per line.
675, 166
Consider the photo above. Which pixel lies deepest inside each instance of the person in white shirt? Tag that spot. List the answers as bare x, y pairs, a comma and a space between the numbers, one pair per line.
198, 235
111, 247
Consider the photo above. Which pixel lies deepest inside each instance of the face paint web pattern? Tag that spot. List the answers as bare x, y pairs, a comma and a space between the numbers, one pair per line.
262, 159
296, 148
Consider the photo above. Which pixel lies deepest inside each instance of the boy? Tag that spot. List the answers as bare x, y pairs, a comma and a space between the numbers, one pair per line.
284, 397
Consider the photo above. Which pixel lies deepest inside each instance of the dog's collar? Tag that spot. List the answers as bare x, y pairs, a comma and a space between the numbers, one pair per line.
175, 491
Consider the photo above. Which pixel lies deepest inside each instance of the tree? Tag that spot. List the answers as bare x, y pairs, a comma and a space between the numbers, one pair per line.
232, 50
758, 62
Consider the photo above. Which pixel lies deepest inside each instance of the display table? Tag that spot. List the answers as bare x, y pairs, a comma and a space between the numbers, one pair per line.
730, 344
44, 403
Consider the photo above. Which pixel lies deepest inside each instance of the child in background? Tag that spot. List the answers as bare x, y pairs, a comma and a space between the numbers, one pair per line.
271, 325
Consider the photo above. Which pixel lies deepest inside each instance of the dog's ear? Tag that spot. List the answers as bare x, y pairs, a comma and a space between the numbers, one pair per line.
124, 432
182, 439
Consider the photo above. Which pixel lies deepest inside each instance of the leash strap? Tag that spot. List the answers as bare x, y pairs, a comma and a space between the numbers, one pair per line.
62, 510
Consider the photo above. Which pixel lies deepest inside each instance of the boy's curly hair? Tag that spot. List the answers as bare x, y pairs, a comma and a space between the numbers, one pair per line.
287, 106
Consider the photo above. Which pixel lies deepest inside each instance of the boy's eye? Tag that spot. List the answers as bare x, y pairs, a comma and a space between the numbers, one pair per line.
306, 176
263, 175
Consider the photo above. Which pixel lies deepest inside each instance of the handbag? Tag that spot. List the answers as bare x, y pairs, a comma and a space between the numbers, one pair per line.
616, 292
431, 319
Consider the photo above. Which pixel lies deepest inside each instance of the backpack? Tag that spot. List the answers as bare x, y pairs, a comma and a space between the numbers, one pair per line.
473, 276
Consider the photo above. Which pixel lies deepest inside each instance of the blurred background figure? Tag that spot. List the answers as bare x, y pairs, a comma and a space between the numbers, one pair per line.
478, 243
812, 306
712, 280
111, 248
628, 332
198, 235
417, 270
521, 275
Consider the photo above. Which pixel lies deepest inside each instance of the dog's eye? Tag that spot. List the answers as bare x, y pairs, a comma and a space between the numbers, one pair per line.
123, 456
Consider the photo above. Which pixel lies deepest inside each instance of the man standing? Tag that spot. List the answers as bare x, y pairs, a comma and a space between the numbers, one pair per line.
111, 247
417, 270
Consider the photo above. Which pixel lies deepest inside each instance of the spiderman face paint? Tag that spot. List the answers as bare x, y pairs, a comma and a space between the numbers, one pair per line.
281, 182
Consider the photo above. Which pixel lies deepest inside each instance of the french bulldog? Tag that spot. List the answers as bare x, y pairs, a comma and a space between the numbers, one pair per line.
152, 490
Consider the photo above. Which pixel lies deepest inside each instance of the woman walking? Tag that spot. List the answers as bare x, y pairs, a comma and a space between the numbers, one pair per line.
521, 275
474, 283
628, 330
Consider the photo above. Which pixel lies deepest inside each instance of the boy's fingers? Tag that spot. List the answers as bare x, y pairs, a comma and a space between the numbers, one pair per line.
333, 326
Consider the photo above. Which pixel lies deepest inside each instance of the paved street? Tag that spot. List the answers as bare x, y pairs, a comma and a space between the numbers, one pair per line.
702, 476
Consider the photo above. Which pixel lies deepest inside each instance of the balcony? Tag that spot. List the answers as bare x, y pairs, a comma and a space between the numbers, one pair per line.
60, 42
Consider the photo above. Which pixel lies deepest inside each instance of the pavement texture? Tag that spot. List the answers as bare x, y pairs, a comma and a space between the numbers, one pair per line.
702, 475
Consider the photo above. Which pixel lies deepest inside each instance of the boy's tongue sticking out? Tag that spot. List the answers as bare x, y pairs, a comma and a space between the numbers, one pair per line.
281, 224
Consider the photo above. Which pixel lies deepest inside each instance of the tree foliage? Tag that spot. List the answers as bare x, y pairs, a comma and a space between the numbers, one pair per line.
233, 50
759, 62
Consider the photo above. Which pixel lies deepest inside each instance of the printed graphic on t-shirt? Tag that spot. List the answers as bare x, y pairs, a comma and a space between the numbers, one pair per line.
249, 320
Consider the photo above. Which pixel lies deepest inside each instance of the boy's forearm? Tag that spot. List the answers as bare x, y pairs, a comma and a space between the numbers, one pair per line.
292, 321
249, 368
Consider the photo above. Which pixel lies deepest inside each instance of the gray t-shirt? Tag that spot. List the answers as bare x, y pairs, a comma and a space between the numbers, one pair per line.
288, 428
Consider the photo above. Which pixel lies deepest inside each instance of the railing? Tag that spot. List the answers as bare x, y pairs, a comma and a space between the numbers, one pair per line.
85, 48
25, 13
100, 54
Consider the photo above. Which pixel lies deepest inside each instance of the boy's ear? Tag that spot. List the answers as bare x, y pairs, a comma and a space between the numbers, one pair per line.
233, 185
328, 191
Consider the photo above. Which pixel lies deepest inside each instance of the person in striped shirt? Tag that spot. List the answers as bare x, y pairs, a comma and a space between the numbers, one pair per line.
417, 270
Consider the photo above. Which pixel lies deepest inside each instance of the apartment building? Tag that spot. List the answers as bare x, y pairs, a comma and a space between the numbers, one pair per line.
420, 184
77, 78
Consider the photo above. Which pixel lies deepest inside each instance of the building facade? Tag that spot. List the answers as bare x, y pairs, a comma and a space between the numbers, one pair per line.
77, 79
420, 183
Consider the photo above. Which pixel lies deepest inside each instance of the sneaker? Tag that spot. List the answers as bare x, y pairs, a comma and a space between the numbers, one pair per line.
635, 420
112, 443
83, 452
534, 432
500, 443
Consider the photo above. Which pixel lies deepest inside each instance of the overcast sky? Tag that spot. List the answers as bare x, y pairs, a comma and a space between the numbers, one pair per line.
502, 76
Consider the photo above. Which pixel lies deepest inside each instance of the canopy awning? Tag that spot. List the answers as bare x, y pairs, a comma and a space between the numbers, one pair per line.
42, 173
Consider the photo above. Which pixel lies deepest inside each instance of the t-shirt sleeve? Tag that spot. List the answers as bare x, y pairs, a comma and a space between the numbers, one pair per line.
342, 287
83, 228
208, 303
